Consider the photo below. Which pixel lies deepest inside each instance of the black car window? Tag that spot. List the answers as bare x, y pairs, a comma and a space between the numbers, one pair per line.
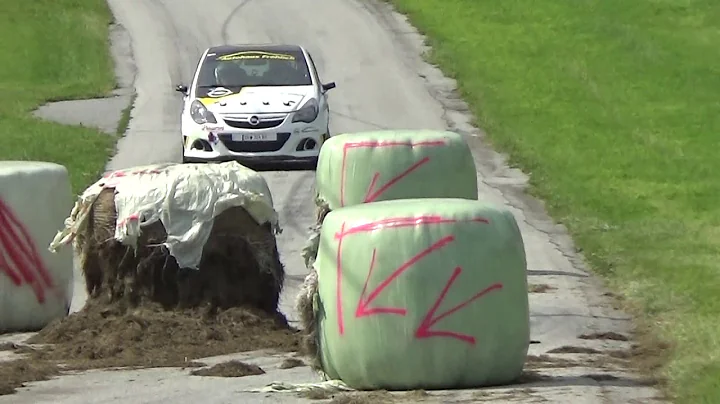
252, 68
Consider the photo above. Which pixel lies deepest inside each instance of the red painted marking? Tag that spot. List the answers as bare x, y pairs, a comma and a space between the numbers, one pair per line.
19, 258
397, 222
125, 173
338, 285
5, 267
390, 223
364, 303
424, 330
370, 195
28, 249
134, 216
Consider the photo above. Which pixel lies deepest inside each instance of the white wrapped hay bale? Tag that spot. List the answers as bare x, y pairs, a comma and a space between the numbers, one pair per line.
35, 284
421, 294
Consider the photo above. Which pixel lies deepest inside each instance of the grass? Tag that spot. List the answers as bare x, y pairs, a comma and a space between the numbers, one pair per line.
54, 50
614, 109
125, 117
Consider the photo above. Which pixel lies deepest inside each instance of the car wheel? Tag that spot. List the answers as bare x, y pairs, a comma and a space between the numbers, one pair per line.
311, 165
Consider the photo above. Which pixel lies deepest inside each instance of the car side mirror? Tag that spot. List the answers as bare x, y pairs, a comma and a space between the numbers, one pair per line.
181, 89
328, 86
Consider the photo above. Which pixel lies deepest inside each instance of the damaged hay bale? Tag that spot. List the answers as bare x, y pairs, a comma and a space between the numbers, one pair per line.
102, 336
180, 262
240, 264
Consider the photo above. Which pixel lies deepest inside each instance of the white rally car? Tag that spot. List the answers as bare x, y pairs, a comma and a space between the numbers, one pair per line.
255, 103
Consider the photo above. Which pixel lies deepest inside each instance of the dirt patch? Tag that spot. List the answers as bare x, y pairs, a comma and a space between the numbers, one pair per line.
550, 362
575, 350
8, 346
545, 362
600, 377
645, 356
315, 394
531, 376
191, 364
366, 397
621, 354
650, 353
16, 373
539, 288
372, 397
612, 336
230, 369
149, 336
603, 377
507, 396
292, 363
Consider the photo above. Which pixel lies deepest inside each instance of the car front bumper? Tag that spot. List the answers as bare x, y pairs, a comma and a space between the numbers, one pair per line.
290, 142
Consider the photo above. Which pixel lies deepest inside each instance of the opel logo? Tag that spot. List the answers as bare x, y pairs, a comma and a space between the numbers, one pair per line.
254, 120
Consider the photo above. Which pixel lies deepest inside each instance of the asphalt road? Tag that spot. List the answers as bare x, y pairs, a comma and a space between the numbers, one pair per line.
374, 57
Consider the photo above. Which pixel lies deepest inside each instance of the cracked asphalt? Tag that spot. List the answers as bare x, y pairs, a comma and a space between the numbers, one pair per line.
374, 56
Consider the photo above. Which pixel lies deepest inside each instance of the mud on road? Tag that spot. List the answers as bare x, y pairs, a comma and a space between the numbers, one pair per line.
111, 337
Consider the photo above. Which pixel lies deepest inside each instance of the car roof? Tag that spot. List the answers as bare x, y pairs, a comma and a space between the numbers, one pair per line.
255, 47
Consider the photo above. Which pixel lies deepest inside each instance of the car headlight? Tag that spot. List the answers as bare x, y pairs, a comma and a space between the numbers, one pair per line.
308, 112
200, 114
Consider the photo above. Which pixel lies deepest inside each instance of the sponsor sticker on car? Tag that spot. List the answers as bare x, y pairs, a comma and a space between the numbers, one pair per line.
254, 55
210, 128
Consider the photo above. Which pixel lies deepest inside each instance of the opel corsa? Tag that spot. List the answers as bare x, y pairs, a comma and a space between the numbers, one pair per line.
252, 103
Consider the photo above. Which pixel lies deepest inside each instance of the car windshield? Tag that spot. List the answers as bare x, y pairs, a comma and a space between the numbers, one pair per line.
253, 68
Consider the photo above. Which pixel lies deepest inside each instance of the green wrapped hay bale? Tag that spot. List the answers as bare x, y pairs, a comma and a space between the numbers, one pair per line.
374, 166
421, 294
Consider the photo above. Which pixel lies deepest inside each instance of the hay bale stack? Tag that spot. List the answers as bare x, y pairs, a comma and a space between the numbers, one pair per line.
182, 236
373, 166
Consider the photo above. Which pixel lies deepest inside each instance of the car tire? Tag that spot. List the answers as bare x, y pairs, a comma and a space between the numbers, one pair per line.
182, 151
311, 165
327, 132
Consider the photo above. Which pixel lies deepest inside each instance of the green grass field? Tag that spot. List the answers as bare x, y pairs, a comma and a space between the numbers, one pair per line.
614, 107
53, 50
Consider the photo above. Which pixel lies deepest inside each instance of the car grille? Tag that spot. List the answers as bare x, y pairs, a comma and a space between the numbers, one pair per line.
254, 147
244, 124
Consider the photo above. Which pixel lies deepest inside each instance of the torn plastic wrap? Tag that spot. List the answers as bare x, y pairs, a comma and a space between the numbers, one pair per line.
185, 198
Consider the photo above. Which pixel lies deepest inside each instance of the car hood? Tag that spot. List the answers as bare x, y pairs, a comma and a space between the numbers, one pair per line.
258, 100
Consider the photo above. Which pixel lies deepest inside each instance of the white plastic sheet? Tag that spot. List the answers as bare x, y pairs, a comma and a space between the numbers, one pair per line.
184, 197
